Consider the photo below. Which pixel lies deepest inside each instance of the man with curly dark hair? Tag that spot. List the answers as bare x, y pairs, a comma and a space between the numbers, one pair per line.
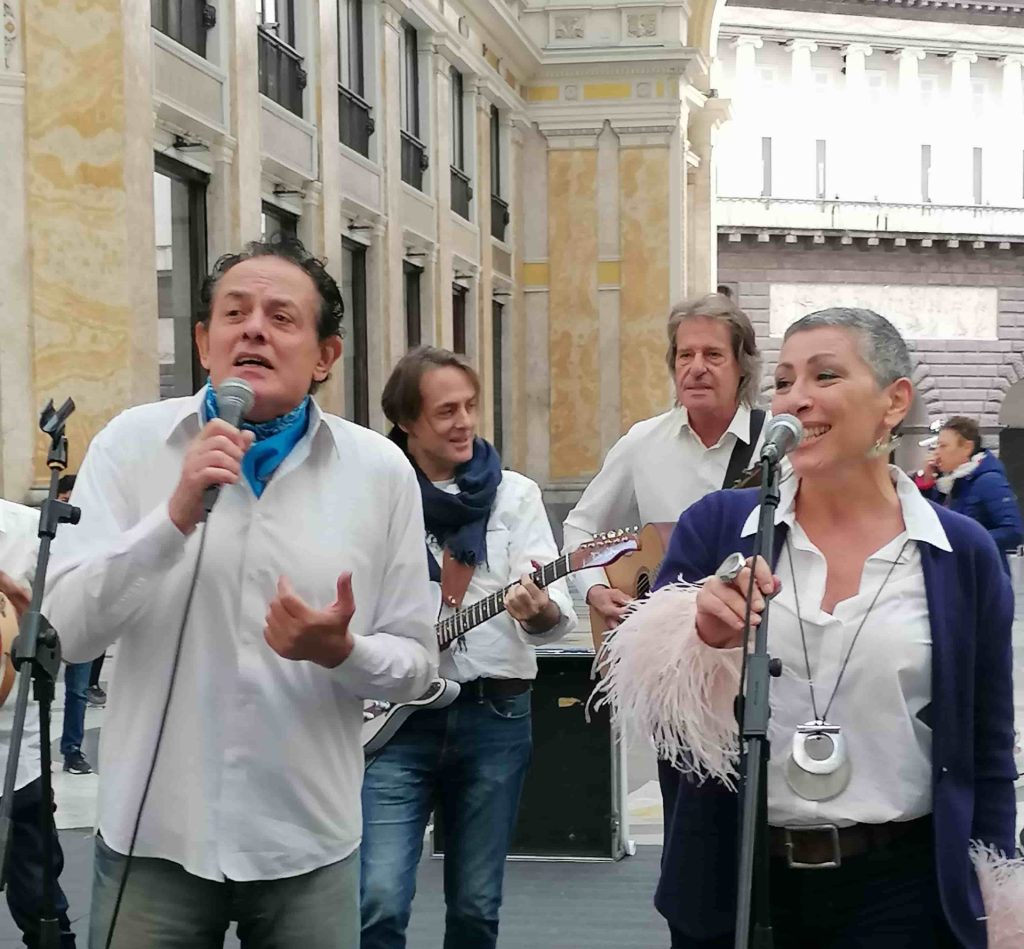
231, 760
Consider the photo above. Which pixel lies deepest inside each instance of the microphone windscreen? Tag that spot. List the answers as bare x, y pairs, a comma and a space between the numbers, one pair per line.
234, 398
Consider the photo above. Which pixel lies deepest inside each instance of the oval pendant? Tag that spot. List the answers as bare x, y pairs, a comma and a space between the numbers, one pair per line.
817, 768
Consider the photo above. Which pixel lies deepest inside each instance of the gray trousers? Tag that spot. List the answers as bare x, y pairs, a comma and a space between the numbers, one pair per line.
166, 907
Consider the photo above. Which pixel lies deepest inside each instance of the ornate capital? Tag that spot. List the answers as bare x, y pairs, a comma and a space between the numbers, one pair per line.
747, 40
910, 53
1014, 59
795, 46
858, 49
12, 40
963, 56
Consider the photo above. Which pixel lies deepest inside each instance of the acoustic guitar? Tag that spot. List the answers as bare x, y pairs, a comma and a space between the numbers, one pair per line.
8, 632
382, 719
634, 573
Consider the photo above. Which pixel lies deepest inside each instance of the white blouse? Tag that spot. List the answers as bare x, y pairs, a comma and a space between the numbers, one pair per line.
887, 684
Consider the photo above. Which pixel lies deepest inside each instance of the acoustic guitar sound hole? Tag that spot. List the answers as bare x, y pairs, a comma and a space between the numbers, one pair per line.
643, 584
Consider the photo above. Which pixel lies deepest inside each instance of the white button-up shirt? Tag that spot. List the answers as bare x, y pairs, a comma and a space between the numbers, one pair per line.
518, 532
19, 547
887, 682
259, 772
652, 474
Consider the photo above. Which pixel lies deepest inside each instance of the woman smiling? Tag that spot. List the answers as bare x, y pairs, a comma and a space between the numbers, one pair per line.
891, 725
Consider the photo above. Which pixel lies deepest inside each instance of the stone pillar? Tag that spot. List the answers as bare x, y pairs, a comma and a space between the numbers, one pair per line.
702, 233
959, 184
1011, 137
440, 307
794, 168
742, 138
574, 317
481, 126
89, 156
17, 410
908, 166
377, 323
853, 182
389, 129
243, 67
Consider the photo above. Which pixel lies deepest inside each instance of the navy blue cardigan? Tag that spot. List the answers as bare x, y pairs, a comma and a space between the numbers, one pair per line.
970, 606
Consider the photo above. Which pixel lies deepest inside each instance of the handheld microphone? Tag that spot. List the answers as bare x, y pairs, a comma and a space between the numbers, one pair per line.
234, 398
781, 436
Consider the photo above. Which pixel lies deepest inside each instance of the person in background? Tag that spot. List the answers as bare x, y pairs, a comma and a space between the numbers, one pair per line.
19, 548
467, 761
966, 478
76, 684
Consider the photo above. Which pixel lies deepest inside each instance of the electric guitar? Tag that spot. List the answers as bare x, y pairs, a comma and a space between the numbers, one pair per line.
382, 719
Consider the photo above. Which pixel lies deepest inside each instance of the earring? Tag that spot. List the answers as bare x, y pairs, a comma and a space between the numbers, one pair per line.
886, 444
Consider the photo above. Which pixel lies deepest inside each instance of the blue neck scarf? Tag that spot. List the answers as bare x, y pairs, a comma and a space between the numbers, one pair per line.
274, 440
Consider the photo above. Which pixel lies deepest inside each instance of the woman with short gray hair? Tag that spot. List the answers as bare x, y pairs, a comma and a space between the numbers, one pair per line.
891, 725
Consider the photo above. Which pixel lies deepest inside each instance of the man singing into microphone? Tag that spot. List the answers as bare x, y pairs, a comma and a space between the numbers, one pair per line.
231, 759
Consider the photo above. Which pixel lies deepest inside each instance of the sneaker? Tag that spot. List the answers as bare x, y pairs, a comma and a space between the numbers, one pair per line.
96, 696
77, 763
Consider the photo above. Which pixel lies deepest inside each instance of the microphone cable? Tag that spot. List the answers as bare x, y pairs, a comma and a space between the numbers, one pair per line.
160, 734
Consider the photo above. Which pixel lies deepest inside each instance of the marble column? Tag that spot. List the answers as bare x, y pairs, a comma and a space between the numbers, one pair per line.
1010, 143
739, 175
17, 411
794, 168
908, 165
389, 131
960, 130
243, 67
481, 127
854, 181
89, 156
441, 306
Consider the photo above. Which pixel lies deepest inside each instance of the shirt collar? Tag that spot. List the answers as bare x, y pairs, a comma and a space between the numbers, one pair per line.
191, 415
919, 516
739, 426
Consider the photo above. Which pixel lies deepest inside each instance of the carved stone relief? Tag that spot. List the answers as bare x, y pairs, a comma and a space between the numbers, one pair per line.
569, 26
641, 25
10, 30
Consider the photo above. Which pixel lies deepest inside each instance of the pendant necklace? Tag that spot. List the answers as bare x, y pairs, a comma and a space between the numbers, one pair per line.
818, 767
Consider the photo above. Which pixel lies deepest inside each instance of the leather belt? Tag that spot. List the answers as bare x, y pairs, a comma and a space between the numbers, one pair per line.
480, 689
823, 846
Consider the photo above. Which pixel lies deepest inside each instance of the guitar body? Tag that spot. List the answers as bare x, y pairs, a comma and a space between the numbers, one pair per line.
8, 633
634, 573
382, 719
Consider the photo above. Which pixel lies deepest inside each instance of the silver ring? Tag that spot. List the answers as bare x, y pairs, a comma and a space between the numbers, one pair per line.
731, 567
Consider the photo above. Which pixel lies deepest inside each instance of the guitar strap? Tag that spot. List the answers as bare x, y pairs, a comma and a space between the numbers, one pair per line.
455, 579
742, 452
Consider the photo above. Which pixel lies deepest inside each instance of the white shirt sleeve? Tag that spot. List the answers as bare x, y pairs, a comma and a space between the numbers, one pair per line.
398, 659
608, 503
531, 540
105, 568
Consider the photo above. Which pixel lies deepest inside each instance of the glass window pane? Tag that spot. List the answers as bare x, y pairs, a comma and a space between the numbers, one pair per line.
174, 284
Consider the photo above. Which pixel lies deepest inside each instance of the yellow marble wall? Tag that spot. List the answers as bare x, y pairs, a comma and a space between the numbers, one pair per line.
573, 313
90, 209
644, 302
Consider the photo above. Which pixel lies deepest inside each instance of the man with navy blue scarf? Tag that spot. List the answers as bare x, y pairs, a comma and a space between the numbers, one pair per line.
467, 762
308, 593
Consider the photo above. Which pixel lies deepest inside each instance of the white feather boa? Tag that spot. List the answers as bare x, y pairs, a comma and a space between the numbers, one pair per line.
1002, 890
661, 680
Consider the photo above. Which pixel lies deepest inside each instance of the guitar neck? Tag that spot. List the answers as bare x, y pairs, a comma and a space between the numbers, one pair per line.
460, 623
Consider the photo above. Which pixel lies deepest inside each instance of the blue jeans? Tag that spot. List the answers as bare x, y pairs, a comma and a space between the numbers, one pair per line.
76, 681
25, 870
166, 907
470, 760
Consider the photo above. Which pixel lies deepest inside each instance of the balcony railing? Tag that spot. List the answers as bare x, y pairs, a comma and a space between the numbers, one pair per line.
499, 217
462, 192
184, 21
881, 216
355, 121
414, 160
282, 77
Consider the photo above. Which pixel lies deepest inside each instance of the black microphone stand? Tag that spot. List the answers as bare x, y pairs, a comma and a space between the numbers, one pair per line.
36, 655
753, 909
